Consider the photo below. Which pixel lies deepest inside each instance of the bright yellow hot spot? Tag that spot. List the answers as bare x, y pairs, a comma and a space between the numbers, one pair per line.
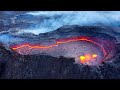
94, 55
82, 59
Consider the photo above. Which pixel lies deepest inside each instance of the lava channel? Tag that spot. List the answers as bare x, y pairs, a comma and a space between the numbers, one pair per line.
65, 45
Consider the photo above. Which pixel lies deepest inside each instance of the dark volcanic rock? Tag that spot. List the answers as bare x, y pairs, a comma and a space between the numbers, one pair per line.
28, 67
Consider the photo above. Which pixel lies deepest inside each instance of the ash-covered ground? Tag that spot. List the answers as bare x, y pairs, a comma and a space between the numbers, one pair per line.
36, 27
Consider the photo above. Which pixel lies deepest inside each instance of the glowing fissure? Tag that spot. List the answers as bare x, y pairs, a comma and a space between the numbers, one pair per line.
58, 42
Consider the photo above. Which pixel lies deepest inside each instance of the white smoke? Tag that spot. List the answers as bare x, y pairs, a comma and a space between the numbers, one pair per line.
8, 39
61, 18
83, 18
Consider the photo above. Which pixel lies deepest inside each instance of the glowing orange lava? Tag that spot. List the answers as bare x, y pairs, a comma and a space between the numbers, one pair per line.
87, 57
94, 56
82, 59
61, 41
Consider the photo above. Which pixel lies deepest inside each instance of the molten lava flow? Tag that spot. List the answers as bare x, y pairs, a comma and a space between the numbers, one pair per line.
87, 58
82, 59
59, 41
94, 56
